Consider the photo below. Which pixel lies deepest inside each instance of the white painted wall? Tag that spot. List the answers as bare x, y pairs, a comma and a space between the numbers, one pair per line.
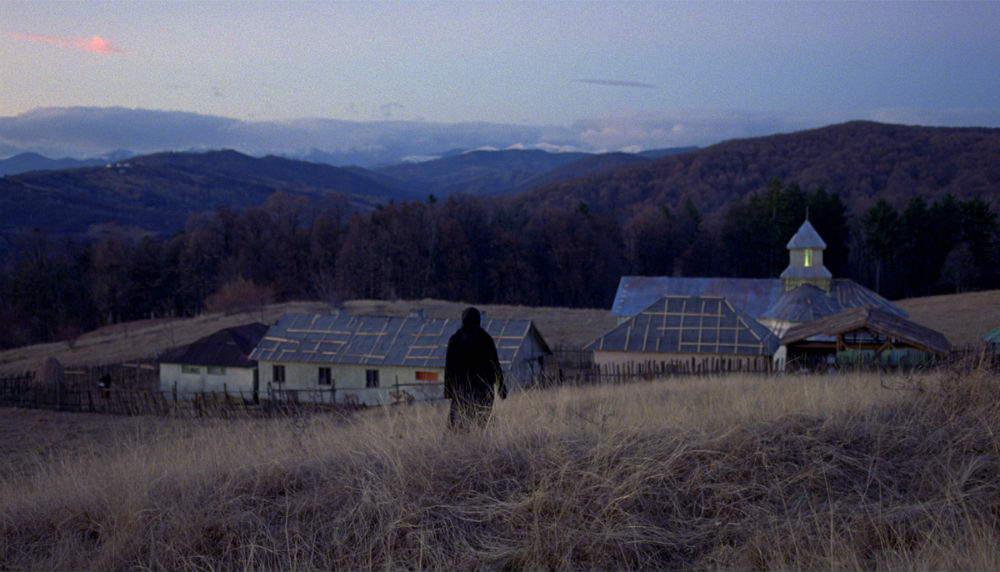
349, 382
234, 381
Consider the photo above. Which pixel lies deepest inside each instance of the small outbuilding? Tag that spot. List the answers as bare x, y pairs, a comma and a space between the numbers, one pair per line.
992, 339
862, 335
214, 364
376, 360
688, 334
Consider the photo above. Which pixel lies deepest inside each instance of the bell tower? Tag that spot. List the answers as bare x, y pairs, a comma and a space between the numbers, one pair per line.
805, 261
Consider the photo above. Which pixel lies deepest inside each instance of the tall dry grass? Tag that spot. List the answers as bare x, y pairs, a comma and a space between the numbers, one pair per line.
832, 472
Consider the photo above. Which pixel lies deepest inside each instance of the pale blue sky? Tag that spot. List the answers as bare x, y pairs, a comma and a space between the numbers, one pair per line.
618, 66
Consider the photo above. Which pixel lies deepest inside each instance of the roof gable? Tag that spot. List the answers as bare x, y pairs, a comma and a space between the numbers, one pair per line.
806, 237
230, 347
752, 296
689, 324
388, 341
874, 319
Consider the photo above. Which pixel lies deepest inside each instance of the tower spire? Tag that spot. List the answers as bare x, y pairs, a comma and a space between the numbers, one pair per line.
805, 260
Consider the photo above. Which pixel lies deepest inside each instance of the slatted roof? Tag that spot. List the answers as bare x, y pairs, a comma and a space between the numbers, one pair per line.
689, 324
752, 296
384, 340
890, 325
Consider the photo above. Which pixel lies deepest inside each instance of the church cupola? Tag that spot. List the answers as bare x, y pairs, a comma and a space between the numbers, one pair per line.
805, 261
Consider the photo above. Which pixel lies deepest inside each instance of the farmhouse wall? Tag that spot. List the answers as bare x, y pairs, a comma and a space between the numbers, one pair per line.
349, 382
233, 381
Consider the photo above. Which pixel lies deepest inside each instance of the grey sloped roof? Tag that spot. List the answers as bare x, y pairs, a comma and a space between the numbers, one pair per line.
992, 336
689, 324
806, 237
752, 296
807, 272
230, 347
887, 324
803, 304
383, 340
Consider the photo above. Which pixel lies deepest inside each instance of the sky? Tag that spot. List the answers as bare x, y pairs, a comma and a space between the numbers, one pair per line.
637, 72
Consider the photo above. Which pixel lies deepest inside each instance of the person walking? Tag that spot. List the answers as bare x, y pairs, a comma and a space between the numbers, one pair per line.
472, 374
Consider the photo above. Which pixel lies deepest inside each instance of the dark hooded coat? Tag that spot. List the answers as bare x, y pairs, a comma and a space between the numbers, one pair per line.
472, 373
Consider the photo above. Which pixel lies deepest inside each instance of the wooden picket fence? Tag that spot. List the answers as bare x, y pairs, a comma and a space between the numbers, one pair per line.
26, 392
576, 366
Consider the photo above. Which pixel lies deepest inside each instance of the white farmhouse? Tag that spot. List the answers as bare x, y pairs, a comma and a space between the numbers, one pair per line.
214, 364
374, 360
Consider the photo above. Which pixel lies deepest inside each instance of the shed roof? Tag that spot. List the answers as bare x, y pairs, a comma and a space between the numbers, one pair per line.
992, 336
752, 296
806, 237
383, 340
885, 323
689, 324
230, 347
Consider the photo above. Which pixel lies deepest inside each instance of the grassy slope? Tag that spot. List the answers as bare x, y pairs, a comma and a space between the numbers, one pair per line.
145, 340
139, 340
962, 318
821, 472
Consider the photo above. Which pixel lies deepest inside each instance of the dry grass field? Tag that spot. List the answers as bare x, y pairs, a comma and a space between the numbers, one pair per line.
139, 340
850, 471
962, 318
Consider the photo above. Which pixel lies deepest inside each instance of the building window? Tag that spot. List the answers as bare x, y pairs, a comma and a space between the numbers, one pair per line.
371, 378
216, 370
808, 257
278, 373
191, 369
427, 376
325, 378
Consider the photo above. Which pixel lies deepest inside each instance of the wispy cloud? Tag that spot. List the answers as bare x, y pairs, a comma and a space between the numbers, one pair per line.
616, 83
94, 44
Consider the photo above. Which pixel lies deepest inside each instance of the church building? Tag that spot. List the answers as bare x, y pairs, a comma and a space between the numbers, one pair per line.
805, 291
804, 294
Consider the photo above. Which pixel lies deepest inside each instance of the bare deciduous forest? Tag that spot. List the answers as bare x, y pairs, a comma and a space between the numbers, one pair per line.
479, 251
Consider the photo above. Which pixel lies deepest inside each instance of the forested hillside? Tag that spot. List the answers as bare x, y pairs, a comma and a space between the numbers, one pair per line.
861, 162
156, 194
906, 211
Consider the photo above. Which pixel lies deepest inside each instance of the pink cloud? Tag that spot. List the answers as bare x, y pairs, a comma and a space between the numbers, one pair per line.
95, 45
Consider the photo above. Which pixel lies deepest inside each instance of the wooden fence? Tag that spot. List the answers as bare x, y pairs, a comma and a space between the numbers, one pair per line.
571, 365
26, 392
634, 371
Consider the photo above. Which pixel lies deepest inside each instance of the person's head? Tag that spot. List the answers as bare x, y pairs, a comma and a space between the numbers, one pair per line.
470, 317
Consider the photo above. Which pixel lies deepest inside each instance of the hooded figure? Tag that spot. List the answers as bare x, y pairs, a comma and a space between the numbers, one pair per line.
471, 373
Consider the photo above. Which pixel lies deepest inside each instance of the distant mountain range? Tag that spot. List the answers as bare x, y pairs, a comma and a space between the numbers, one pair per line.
490, 173
28, 162
860, 161
156, 193
84, 132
